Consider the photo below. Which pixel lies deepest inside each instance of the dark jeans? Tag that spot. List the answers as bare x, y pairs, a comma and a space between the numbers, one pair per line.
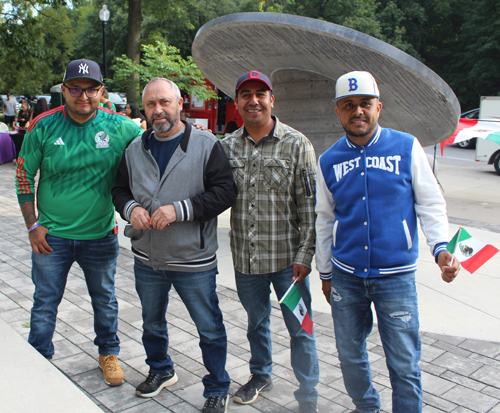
197, 291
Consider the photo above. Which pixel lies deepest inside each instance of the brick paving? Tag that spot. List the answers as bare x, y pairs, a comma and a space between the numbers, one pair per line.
459, 375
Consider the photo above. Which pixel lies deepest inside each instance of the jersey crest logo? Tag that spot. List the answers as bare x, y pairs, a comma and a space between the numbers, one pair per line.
83, 68
102, 140
353, 84
59, 142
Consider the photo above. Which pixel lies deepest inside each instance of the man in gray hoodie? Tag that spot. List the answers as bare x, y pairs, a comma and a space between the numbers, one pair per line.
171, 185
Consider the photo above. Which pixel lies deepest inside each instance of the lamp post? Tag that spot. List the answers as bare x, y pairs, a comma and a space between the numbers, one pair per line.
104, 16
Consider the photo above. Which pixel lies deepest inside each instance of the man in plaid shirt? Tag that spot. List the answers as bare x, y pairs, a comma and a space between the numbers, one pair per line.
272, 233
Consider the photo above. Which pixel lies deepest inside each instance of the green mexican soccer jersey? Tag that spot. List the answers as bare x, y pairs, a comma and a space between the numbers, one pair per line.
78, 164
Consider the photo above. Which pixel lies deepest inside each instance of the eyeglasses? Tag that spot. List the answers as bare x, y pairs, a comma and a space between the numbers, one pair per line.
90, 92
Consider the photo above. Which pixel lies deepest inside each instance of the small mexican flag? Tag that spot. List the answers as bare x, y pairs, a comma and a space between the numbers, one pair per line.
293, 300
470, 252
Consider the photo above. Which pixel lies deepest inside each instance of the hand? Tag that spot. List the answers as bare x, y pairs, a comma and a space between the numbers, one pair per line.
139, 218
326, 286
300, 272
38, 241
163, 216
200, 126
448, 273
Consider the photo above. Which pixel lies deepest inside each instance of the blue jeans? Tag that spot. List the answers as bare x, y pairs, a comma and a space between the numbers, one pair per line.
254, 292
197, 291
395, 301
97, 259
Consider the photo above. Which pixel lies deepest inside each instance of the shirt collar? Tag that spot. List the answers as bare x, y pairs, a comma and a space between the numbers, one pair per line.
269, 136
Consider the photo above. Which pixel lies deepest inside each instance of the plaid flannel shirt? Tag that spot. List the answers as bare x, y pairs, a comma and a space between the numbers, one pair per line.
272, 220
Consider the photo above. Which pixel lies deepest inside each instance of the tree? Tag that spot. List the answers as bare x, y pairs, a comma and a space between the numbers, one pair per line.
476, 61
134, 44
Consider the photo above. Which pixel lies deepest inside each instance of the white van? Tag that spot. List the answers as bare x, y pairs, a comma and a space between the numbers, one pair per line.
487, 150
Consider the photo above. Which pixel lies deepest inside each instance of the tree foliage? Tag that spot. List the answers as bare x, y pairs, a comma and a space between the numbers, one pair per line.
163, 60
33, 54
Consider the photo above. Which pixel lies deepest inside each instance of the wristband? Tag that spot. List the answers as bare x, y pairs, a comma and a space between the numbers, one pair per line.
34, 226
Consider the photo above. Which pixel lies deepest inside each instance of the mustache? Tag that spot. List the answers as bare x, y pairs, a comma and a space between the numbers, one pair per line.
161, 116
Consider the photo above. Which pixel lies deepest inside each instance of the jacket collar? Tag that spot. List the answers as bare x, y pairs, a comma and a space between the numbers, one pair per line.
374, 139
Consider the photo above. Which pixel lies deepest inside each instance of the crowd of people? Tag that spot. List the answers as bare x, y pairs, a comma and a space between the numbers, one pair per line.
171, 181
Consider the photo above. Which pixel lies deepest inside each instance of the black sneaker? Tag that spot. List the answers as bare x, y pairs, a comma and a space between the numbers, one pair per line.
154, 383
249, 392
216, 404
308, 407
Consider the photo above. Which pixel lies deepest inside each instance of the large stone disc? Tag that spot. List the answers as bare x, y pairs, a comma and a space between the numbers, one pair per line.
304, 57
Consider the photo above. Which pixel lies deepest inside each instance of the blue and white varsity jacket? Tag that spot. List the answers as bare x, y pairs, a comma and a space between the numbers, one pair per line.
367, 202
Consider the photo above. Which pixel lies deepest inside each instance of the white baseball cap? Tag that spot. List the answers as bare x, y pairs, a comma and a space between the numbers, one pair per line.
356, 84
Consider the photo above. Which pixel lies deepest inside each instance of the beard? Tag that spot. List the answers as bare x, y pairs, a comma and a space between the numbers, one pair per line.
165, 126
360, 133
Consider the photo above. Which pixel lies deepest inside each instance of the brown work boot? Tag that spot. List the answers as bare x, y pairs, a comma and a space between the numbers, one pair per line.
113, 374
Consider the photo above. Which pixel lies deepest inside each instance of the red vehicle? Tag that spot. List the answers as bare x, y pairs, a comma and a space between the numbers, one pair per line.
219, 115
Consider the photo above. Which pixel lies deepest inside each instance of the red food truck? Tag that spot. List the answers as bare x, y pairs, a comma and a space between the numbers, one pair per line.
219, 115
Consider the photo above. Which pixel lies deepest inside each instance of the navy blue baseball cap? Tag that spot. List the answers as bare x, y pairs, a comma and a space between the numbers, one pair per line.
253, 76
83, 69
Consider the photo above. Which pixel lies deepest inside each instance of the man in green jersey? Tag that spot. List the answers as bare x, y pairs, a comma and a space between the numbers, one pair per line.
105, 102
77, 148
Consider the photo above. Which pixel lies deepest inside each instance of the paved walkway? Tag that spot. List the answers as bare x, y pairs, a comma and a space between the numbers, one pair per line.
459, 374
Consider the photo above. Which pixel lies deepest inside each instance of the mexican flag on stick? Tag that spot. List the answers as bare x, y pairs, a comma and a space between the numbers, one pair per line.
473, 128
293, 300
470, 252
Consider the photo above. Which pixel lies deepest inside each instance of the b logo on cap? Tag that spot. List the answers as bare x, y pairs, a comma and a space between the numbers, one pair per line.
353, 84
254, 74
83, 68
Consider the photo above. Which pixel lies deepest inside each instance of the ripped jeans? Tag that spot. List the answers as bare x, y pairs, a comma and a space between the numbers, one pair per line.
395, 301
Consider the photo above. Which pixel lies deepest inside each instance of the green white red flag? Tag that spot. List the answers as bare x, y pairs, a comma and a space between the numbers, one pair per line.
470, 252
293, 300
473, 128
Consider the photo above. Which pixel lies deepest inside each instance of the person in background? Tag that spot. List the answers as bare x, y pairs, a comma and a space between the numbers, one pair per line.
105, 102
9, 110
133, 112
24, 114
40, 107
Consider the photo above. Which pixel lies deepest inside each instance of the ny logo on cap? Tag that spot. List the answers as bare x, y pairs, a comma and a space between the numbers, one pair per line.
83, 68
353, 84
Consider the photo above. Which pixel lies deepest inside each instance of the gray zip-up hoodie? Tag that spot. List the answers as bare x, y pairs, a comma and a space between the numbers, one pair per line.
199, 183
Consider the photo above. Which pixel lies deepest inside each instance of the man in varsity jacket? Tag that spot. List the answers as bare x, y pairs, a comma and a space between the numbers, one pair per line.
77, 149
171, 185
372, 185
